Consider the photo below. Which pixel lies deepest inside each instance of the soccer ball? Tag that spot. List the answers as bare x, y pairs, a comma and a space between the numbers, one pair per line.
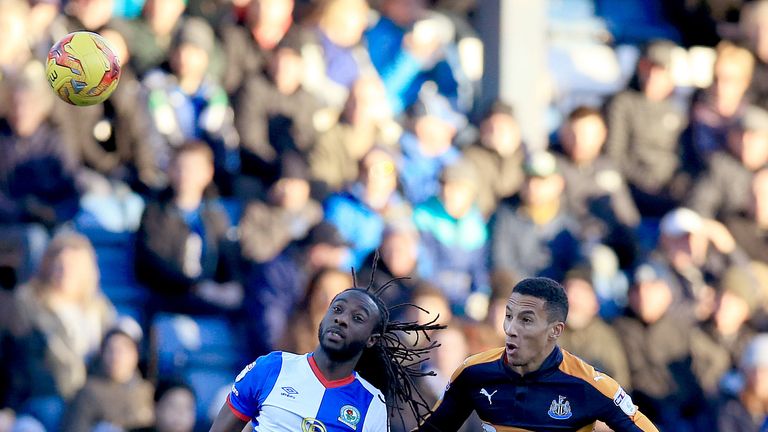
82, 68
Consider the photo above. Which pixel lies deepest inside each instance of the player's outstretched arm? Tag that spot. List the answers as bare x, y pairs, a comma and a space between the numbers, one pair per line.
227, 421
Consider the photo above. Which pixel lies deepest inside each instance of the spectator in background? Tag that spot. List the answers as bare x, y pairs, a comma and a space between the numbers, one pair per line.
533, 233
455, 242
15, 51
754, 28
362, 210
724, 189
398, 263
750, 226
697, 252
300, 334
584, 327
648, 157
428, 147
90, 15
595, 190
32, 146
266, 228
59, 319
364, 122
174, 408
716, 109
674, 384
337, 58
115, 138
746, 411
738, 299
150, 37
116, 394
274, 114
248, 47
276, 287
185, 250
502, 283
186, 102
498, 157
410, 45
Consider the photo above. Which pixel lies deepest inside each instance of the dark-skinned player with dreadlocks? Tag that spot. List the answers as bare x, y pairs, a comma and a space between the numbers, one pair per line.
359, 373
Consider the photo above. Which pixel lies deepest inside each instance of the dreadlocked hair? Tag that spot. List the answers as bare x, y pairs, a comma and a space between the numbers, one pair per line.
395, 361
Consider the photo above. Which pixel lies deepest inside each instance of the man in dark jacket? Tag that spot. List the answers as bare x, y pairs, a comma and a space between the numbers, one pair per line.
647, 155
184, 248
595, 190
534, 234
498, 157
274, 114
724, 188
673, 365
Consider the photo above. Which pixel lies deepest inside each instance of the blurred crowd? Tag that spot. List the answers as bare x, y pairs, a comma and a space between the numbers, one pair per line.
257, 150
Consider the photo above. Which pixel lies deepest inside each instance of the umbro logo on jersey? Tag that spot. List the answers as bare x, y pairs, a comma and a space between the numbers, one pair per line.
289, 392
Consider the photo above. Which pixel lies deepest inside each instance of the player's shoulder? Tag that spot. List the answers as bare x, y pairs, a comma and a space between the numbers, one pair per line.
479, 361
577, 368
372, 389
268, 363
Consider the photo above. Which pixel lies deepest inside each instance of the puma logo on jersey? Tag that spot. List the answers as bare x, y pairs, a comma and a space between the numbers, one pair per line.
489, 396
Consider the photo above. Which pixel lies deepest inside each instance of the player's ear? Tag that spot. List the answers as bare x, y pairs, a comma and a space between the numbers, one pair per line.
372, 340
556, 330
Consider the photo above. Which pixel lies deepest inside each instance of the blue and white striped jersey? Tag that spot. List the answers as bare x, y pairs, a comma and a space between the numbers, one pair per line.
287, 392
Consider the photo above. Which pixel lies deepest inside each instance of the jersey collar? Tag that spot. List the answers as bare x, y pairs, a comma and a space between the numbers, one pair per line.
325, 381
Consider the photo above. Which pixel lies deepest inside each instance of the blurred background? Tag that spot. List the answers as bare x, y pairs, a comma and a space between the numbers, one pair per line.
257, 150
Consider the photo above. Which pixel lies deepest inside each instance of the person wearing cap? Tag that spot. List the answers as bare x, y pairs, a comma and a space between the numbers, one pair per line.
116, 393
274, 288
595, 190
646, 156
747, 411
267, 227
674, 366
584, 326
498, 157
724, 188
750, 226
187, 102
455, 242
533, 233
697, 251
185, 249
362, 210
428, 146
716, 109
274, 113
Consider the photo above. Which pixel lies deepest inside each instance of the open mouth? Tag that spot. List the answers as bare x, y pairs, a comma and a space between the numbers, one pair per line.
511, 348
334, 333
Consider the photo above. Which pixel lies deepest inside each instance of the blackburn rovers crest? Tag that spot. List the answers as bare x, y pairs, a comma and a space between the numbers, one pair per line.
560, 409
350, 416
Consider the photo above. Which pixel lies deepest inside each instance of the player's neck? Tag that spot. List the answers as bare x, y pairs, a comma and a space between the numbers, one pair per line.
533, 365
334, 370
